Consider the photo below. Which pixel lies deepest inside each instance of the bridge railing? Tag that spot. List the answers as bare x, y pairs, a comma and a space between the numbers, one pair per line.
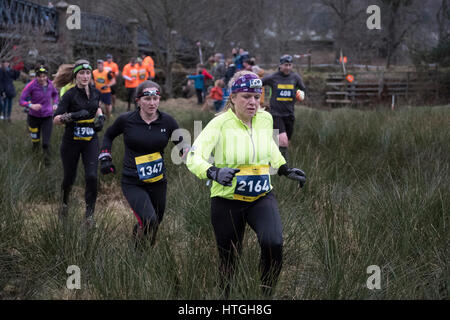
17, 17
100, 30
23, 15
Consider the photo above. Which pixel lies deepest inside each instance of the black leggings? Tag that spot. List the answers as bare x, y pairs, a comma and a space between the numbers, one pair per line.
284, 125
229, 218
40, 127
131, 94
148, 203
199, 93
70, 154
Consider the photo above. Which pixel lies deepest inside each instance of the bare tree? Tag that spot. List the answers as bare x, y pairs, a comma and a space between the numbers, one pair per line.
443, 21
30, 45
169, 24
399, 22
346, 12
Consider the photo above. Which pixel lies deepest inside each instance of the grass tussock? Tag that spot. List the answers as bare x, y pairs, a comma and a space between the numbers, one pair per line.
377, 194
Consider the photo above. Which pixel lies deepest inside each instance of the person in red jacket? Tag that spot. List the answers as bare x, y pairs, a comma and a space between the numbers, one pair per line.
216, 94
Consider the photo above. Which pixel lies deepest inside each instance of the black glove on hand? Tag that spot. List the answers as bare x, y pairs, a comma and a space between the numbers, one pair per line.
75, 116
99, 122
65, 118
293, 174
223, 176
106, 165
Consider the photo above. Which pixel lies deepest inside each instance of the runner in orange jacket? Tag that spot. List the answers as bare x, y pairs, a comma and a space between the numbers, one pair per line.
110, 65
148, 62
130, 74
104, 80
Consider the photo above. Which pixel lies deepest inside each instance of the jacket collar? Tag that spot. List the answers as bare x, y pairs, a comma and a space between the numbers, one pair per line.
235, 117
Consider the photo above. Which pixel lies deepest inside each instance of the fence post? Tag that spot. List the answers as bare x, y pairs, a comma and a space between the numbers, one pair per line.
65, 41
132, 27
436, 82
407, 84
309, 60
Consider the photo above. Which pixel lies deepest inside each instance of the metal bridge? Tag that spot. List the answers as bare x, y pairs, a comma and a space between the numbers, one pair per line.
17, 15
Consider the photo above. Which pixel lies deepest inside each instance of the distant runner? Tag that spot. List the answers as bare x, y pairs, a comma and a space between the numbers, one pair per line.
130, 74
110, 65
40, 99
104, 80
284, 85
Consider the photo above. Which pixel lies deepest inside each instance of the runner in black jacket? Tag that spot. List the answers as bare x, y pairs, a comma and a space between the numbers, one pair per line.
80, 112
284, 84
146, 132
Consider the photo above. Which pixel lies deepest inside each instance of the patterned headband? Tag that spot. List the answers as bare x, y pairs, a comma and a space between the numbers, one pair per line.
247, 83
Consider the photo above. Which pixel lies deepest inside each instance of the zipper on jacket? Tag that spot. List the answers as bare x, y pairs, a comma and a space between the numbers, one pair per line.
251, 138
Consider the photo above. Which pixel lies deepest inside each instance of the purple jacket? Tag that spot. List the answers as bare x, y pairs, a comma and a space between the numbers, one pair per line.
34, 93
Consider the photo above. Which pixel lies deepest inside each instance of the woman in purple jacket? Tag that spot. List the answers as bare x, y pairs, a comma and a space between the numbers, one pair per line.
40, 99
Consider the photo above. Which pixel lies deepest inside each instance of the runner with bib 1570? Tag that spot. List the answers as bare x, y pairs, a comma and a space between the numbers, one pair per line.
79, 110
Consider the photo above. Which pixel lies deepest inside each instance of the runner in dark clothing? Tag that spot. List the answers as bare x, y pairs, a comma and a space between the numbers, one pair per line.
146, 132
80, 112
284, 84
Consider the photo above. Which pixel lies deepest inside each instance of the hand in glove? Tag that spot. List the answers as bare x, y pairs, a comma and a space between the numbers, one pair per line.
300, 95
293, 174
223, 176
73, 116
79, 115
106, 165
99, 122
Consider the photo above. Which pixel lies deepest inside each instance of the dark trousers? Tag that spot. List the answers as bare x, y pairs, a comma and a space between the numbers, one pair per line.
229, 218
6, 107
131, 95
148, 203
70, 154
40, 130
199, 96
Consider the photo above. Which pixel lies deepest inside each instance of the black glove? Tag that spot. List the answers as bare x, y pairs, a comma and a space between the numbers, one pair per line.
293, 174
223, 176
99, 122
106, 165
75, 116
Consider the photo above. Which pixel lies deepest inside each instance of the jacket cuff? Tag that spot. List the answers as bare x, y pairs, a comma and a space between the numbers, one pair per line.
283, 170
211, 172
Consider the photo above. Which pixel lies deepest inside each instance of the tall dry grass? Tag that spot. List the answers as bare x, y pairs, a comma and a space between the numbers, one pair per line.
377, 194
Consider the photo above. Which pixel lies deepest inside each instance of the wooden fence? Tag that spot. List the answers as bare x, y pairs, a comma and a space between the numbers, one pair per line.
370, 87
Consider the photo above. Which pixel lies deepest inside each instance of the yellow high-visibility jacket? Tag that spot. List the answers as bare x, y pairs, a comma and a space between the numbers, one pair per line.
234, 145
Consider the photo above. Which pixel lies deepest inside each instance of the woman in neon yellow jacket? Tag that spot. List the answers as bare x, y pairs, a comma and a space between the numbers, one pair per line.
241, 141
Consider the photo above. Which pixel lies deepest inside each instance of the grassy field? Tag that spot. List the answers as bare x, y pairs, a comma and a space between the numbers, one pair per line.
378, 193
